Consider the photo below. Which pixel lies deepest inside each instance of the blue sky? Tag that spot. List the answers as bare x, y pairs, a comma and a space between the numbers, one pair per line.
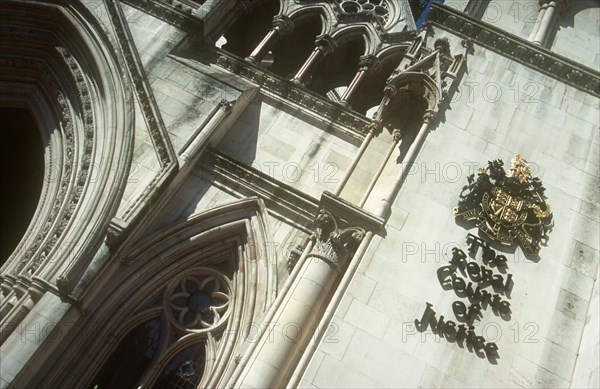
420, 19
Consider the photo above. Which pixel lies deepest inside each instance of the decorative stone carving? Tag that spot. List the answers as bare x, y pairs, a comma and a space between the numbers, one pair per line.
336, 113
325, 43
332, 244
294, 256
199, 301
370, 9
283, 24
63, 207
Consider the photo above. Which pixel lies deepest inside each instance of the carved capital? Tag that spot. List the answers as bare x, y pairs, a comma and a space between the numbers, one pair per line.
560, 5
225, 105
325, 43
429, 116
390, 90
331, 243
375, 126
283, 24
369, 62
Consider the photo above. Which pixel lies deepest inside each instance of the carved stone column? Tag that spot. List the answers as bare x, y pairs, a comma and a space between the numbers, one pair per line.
386, 202
282, 25
324, 46
365, 64
294, 323
546, 20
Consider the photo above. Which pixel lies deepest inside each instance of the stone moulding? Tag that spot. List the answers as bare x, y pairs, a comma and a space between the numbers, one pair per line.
62, 68
281, 198
156, 127
334, 113
230, 242
517, 49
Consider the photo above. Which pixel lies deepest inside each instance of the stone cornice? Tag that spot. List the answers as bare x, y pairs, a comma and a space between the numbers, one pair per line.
280, 197
334, 113
169, 14
517, 49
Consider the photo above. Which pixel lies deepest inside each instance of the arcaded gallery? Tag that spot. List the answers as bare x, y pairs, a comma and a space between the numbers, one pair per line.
300, 194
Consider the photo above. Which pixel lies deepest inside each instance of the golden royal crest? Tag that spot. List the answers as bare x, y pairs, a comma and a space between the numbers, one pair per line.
507, 207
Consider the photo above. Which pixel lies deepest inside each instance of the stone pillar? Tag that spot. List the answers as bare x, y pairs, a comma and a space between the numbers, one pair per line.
365, 64
396, 136
199, 140
374, 126
546, 20
324, 46
29, 296
290, 330
282, 25
386, 202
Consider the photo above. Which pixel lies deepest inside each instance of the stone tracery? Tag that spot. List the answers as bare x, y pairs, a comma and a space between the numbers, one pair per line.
199, 300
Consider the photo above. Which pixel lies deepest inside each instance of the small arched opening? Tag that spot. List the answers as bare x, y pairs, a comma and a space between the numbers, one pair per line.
335, 73
249, 29
290, 52
370, 95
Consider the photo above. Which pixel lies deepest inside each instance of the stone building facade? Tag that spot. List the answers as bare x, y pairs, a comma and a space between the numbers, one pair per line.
300, 193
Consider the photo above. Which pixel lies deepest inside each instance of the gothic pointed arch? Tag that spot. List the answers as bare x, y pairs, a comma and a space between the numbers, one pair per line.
64, 71
372, 89
249, 28
292, 49
208, 280
311, 11
336, 71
